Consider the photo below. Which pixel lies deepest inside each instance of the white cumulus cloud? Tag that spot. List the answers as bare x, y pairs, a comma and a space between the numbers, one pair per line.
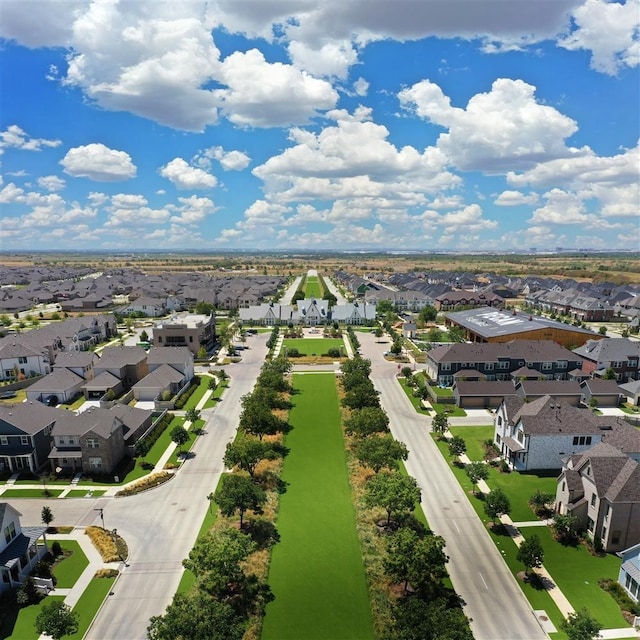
184, 176
97, 162
51, 183
15, 137
515, 198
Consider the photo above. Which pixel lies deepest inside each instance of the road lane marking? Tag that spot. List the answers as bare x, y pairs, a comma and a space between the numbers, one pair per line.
483, 581
455, 524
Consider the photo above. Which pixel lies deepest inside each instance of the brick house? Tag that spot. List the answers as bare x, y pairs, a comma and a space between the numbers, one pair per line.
620, 354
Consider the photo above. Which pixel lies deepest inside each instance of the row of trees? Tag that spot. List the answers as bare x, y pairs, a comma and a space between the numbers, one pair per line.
231, 591
411, 563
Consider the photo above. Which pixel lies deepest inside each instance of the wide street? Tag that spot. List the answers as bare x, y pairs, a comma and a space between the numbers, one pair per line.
161, 525
493, 600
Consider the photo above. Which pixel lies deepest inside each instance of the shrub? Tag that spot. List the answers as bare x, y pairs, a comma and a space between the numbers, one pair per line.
333, 353
143, 446
617, 592
293, 353
106, 573
504, 467
182, 400
56, 549
150, 481
27, 594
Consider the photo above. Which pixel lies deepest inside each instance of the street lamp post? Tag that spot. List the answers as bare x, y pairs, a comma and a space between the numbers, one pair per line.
101, 515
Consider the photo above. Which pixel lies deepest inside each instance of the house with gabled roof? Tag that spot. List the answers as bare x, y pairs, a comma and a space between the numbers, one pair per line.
620, 354
629, 576
601, 489
128, 364
541, 433
353, 313
600, 393
568, 391
80, 362
60, 386
269, 314
25, 440
147, 306
162, 378
312, 311
21, 548
18, 360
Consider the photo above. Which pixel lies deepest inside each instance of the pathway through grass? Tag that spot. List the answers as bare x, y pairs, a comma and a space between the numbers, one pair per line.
316, 570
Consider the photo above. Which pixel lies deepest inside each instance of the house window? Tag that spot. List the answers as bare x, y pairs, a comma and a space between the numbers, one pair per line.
10, 532
445, 366
488, 366
632, 363
22, 360
4, 441
95, 463
498, 439
72, 440
615, 537
61, 440
92, 443
546, 366
593, 499
564, 486
24, 440
190, 338
503, 364
631, 586
499, 421
581, 440
561, 364
590, 525
616, 365
159, 338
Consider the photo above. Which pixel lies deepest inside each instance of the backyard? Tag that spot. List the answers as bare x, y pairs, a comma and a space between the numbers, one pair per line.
316, 571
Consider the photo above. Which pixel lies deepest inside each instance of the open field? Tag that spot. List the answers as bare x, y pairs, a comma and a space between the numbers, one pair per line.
613, 267
313, 346
316, 571
313, 288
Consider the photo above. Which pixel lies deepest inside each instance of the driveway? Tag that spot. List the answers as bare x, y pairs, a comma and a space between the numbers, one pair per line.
493, 600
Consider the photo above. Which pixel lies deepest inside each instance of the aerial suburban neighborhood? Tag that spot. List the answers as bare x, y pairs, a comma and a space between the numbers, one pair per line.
189, 384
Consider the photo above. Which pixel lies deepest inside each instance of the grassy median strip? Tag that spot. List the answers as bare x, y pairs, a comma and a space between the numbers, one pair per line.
316, 571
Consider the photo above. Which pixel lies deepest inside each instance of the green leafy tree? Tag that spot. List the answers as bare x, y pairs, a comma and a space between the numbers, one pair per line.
609, 374
440, 423
540, 501
456, 334
180, 436
144, 336
476, 471
416, 618
457, 446
531, 553
565, 528
581, 625
192, 415
354, 372
5, 320
384, 307
247, 453
427, 314
57, 620
396, 346
212, 385
239, 493
360, 396
415, 559
381, 452
394, 492
46, 515
197, 617
259, 421
496, 504
367, 421
602, 330
378, 332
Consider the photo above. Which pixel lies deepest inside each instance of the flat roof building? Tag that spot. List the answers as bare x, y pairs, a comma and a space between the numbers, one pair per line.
186, 330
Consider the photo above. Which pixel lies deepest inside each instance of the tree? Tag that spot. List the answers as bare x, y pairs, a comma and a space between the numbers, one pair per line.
456, 334
239, 493
419, 619
384, 307
393, 492
212, 385
47, 515
415, 559
440, 423
540, 501
457, 446
57, 620
602, 330
144, 336
192, 415
367, 421
609, 374
180, 436
259, 421
380, 452
197, 617
360, 396
531, 553
247, 453
581, 626
396, 346
496, 504
476, 471
427, 314
565, 528
5, 320
377, 332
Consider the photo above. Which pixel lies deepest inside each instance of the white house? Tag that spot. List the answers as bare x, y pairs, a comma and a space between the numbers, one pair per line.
629, 576
17, 360
20, 547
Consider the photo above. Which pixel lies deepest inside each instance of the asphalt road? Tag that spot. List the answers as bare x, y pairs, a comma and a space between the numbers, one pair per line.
161, 525
493, 600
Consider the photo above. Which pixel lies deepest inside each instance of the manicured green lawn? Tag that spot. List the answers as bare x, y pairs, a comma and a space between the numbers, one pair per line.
316, 571
416, 402
313, 288
215, 396
196, 396
30, 493
474, 438
313, 346
19, 625
576, 572
69, 568
175, 457
89, 603
161, 444
85, 493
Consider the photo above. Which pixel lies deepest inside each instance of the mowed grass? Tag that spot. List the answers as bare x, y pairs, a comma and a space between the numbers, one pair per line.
313, 288
89, 603
313, 346
316, 571
19, 624
69, 568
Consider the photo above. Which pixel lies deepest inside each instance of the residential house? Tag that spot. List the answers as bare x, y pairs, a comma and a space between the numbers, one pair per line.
619, 354
147, 307
25, 440
499, 361
82, 363
573, 303
195, 331
541, 433
60, 386
453, 300
629, 576
180, 358
472, 394
601, 393
601, 489
162, 378
353, 313
21, 548
313, 312
91, 441
127, 364
631, 391
269, 314
568, 391
19, 361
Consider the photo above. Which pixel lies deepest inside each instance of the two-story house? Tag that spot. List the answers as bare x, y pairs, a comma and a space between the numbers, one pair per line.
601, 489
21, 548
620, 354
19, 361
629, 576
541, 433
25, 435
92, 441
147, 306
499, 360
127, 364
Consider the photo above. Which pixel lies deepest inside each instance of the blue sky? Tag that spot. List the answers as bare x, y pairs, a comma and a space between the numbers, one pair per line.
296, 124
